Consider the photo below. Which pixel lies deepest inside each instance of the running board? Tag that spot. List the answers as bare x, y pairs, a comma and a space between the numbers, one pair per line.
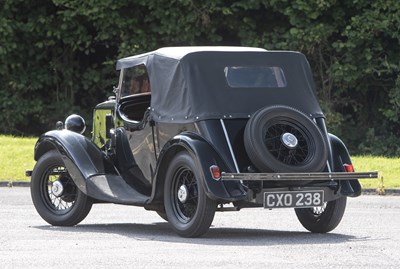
113, 189
299, 176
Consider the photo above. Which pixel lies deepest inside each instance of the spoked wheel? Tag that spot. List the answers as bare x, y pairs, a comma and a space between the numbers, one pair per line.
54, 194
283, 139
322, 219
287, 143
189, 211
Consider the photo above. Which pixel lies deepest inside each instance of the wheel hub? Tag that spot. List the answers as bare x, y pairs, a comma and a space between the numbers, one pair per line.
57, 188
289, 140
183, 194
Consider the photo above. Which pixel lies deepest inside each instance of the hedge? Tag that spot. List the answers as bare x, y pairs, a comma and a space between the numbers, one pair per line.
57, 57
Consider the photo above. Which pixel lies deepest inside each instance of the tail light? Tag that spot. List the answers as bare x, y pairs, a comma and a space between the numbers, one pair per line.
348, 167
215, 172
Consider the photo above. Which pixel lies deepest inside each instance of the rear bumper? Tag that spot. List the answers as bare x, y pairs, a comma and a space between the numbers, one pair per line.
333, 185
299, 176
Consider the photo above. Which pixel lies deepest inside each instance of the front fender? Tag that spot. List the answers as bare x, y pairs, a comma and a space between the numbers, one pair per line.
81, 156
205, 156
340, 156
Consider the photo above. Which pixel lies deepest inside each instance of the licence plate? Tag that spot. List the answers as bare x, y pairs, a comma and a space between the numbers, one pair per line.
293, 199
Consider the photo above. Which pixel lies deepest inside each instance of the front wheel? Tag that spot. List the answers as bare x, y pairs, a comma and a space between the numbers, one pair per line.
322, 219
189, 210
54, 194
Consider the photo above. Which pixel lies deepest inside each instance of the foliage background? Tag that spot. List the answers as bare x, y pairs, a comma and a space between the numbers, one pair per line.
57, 57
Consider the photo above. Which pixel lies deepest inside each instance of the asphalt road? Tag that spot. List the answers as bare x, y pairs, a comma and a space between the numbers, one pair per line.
115, 236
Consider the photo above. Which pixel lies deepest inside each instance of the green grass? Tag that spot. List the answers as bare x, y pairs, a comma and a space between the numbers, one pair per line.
17, 155
389, 170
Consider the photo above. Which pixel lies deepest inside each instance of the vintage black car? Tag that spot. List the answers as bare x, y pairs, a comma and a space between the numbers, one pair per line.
194, 130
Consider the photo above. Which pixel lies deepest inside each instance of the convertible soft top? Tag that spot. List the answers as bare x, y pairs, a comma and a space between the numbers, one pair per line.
192, 83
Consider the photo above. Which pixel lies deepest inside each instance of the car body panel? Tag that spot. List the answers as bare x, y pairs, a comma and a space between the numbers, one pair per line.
193, 107
81, 156
100, 129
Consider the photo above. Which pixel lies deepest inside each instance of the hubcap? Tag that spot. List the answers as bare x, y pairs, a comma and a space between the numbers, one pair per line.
289, 140
183, 194
57, 188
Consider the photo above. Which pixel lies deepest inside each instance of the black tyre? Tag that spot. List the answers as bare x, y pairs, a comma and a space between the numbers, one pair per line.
283, 139
189, 211
54, 194
322, 219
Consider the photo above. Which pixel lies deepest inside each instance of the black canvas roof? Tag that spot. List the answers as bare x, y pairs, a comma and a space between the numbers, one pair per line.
177, 53
189, 83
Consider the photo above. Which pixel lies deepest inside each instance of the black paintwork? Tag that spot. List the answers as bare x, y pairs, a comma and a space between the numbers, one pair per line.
133, 159
341, 156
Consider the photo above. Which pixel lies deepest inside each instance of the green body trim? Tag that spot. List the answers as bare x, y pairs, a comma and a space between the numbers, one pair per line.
99, 122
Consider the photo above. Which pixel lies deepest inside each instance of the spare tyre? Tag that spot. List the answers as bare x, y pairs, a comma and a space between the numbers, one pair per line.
283, 139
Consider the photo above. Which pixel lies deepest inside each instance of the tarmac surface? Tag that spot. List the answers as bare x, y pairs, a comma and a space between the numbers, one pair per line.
115, 236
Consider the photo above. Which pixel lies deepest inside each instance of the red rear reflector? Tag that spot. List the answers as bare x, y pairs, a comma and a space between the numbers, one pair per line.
215, 172
348, 167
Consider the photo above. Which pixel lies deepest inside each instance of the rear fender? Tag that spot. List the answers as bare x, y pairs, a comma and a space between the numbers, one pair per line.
205, 156
340, 156
81, 156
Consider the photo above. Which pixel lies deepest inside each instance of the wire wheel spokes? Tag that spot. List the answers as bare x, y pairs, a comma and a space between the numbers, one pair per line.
63, 203
296, 155
318, 210
185, 194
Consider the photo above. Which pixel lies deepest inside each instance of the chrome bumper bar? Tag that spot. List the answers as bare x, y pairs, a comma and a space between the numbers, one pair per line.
299, 176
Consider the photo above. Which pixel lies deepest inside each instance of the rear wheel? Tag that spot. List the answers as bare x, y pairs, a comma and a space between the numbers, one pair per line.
54, 194
322, 219
189, 210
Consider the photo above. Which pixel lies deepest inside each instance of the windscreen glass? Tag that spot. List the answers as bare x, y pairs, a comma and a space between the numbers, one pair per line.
135, 80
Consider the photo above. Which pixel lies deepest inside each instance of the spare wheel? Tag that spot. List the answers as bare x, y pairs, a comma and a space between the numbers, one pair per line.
283, 139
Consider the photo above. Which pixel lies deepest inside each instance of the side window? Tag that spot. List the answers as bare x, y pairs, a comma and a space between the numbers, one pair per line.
135, 80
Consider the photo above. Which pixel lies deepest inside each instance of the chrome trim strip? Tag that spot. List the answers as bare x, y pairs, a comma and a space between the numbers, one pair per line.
229, 145
299, 176
329, 166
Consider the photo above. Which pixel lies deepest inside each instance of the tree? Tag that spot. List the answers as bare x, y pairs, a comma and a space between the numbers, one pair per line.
58, 56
